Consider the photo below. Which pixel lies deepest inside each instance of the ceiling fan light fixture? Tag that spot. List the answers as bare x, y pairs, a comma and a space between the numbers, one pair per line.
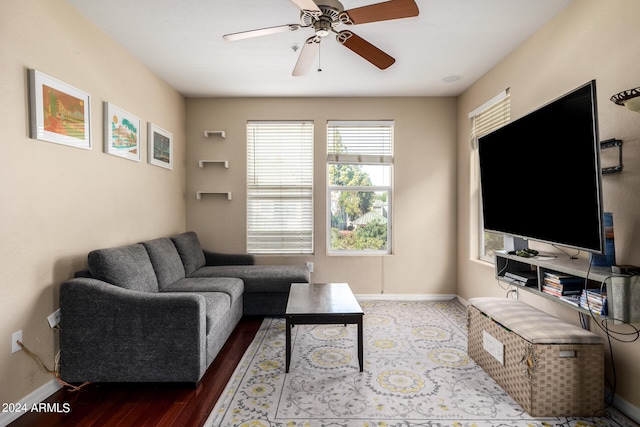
322, 28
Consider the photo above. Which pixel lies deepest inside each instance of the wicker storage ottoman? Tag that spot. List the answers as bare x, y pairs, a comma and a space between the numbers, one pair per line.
550, 367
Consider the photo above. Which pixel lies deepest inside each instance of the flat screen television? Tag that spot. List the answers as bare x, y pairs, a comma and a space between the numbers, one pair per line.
540, 175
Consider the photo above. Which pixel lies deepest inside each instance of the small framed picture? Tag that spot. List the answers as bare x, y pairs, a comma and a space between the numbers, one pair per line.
160, 147
59, 112
121, 133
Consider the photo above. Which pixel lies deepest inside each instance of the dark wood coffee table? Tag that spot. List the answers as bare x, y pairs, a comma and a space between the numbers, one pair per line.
323, 304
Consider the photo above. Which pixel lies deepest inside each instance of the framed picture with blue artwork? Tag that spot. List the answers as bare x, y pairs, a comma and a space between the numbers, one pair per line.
160, 147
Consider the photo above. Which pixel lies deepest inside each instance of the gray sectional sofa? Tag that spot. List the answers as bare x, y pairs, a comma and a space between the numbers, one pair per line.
161, 310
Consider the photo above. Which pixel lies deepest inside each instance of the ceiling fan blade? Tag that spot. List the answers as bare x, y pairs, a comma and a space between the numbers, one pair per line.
306, 5
392, 9
261, 32
308, 54
365, 49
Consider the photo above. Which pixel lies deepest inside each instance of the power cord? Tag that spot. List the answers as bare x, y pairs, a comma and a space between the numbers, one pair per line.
499, 274
567, 253
512, 291
603, 324
55, 371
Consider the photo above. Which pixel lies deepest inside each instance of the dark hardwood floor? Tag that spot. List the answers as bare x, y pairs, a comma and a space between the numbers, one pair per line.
136, 405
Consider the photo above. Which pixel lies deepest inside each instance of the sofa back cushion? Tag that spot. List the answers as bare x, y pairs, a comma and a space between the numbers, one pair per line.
165, 260
126, 266
190, 251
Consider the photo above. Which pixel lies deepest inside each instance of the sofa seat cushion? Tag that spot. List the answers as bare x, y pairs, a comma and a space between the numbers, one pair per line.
218, 305
259, 278
533, 325
230, 286
165, 260
126, 266
190, 251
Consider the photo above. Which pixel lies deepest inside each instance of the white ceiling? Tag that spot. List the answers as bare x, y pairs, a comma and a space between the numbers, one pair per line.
181, 41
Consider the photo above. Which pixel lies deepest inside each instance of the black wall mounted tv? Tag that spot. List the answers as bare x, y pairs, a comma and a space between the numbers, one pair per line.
541, 176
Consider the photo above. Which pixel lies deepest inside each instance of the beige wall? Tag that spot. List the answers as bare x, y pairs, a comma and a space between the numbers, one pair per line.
423, 260
591, 39
60, 202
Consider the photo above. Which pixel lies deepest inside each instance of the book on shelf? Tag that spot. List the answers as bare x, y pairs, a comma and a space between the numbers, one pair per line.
563, 279
594, 300
563, 288
559, 291
571, 299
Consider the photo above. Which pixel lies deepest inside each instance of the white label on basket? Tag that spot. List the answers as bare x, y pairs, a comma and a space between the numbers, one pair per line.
493, 347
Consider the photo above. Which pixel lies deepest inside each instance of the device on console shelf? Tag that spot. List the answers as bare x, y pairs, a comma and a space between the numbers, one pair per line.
527, 278
631, 270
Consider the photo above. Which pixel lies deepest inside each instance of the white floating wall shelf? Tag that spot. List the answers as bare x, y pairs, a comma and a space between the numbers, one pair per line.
208, 133
201, 163
200, 193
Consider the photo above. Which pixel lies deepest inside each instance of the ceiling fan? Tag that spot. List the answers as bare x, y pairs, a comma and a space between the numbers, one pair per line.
325, 17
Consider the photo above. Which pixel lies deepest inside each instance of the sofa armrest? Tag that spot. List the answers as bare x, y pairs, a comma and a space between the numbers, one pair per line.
217, 258
112, 334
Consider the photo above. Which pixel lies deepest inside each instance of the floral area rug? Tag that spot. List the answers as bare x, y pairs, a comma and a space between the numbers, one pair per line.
416, 373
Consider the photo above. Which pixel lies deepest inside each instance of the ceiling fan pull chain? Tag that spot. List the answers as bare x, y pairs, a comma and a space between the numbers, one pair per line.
319, 49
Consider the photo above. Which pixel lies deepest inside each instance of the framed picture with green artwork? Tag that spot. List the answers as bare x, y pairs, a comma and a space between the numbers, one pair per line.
121, 133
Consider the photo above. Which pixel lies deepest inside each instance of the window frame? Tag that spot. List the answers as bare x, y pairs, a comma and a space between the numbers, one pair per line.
360, 159
488, 117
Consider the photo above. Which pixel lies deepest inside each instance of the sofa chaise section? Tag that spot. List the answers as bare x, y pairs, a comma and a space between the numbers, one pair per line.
266, 287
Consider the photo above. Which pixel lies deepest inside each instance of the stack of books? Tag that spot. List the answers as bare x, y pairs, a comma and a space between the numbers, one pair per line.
594, 300
562, 285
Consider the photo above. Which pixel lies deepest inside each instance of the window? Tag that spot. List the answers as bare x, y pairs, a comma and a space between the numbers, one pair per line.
490, 116
359, 190
280, 187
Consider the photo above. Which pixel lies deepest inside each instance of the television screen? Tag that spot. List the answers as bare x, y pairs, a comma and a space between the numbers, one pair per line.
540, 175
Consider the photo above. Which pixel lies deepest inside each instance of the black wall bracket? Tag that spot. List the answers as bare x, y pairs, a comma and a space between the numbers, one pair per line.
610, 143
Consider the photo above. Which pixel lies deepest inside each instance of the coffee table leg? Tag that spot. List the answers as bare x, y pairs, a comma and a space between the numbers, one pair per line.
288, 346
360, 344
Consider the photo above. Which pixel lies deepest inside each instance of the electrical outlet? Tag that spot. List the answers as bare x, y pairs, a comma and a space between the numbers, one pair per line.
15, 337
310, 266
514, 293
54, 318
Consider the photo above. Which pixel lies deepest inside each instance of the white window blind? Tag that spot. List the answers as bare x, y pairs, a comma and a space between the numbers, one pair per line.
280, 187
490, 116
360, 142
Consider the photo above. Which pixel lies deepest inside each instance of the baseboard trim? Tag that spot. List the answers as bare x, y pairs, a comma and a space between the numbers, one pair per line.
35, 397
626, 408
406, 297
